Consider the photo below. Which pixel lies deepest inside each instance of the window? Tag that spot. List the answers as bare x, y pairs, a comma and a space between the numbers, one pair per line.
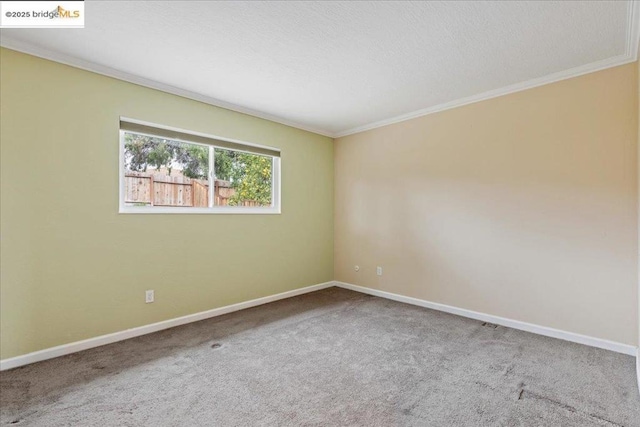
165, 170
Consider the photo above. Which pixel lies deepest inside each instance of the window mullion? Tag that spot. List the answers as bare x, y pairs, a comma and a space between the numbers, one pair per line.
212, 176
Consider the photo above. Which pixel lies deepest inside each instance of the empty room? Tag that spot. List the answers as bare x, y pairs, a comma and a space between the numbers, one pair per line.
319, 213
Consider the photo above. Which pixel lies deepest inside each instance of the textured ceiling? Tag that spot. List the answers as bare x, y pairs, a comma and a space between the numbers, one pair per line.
336, 67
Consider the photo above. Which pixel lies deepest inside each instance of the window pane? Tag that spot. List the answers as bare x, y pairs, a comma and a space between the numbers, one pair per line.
242, 179
162, 172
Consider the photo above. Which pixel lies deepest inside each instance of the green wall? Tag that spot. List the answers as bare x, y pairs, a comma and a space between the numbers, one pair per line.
73, 268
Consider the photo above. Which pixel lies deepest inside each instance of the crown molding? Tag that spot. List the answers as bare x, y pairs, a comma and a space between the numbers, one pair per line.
31, 49
506, 90
630, 55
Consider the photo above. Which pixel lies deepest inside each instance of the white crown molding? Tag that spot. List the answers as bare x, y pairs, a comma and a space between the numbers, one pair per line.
74, 347
31, 49
503, 321
506, 90
630, 55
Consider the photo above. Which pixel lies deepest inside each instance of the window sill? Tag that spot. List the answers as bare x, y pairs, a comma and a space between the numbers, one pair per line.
215, 210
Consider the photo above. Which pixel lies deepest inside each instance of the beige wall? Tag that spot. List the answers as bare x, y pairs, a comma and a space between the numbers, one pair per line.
73, 268
522, 206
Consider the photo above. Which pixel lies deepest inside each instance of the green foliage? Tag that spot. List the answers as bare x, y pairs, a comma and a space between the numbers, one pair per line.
249, 174
142, 152
252, 179
224, 163
194, 160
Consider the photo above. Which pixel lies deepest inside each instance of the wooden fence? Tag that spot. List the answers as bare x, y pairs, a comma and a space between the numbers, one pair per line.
165, 190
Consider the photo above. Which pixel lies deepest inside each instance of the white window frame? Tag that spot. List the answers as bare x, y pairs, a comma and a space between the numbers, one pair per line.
275, 179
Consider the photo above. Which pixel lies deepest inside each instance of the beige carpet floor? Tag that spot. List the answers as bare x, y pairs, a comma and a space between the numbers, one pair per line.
330, 358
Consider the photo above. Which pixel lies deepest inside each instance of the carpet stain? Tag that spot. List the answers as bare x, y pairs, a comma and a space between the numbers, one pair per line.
490, 325
409, 410
531, 395
484, 385
23, 417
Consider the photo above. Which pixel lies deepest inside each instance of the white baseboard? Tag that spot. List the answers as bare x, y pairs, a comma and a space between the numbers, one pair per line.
515, 324
77, 346
74, 347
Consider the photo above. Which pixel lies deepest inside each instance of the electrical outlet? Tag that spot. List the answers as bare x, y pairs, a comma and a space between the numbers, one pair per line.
379, 271
357, 268
149, 296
